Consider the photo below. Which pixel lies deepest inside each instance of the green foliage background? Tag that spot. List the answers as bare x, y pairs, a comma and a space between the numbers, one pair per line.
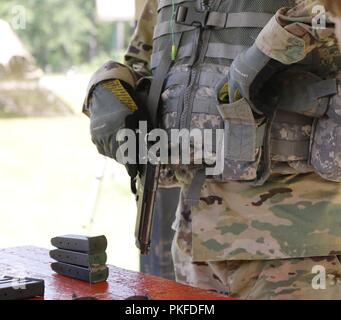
62, 34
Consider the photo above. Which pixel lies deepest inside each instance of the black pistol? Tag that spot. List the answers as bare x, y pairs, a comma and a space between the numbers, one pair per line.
146, 196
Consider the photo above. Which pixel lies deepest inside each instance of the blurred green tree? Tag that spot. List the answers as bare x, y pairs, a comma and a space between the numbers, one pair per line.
62, 34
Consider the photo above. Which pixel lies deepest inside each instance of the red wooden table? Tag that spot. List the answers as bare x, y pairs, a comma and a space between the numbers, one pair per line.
35, 263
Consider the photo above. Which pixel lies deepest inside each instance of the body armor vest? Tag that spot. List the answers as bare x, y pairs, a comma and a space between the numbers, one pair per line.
204, 38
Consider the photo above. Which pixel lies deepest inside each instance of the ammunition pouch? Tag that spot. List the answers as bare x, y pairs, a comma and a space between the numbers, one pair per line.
326, 142
304, 105
242, 141
299, 134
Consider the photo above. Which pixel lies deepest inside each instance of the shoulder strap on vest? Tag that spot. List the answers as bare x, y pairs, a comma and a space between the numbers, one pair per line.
158, 81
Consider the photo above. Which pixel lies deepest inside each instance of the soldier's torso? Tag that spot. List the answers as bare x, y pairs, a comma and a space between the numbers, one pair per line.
207, 38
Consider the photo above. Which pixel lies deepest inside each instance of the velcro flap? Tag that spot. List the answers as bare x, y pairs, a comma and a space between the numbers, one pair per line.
240, 131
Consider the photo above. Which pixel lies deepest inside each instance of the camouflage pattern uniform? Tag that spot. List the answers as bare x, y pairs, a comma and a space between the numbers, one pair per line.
257, 242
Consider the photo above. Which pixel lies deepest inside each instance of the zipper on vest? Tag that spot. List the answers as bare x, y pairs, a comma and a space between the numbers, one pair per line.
191, 81
200, 50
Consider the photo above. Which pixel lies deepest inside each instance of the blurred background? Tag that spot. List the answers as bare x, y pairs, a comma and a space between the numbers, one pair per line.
52, 181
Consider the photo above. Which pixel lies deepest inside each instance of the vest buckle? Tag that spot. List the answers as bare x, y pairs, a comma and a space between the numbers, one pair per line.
190, 16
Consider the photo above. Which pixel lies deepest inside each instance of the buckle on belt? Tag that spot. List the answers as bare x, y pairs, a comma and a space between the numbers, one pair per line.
190, 16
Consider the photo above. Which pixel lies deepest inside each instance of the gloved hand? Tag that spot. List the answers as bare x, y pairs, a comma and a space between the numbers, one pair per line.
114, 106
248, 73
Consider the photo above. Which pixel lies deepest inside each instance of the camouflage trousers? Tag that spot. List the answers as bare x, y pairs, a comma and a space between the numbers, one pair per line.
286, 279
262, 242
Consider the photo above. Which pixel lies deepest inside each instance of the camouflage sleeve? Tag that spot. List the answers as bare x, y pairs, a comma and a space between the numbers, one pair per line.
140, 48
137, 58
291, 34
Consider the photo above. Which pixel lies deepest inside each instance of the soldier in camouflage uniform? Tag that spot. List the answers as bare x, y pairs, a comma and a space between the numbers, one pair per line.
257, 242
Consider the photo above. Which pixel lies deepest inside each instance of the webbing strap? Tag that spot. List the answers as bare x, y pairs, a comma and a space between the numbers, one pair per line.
260, 133
334, 110
264, 171
159, 77
192, 16
225, 51
292, 118
238, 20
290, 148
215, 50
164, 28
178, 78
183, 52
193, 193
248, 20
204, 106
214, 19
